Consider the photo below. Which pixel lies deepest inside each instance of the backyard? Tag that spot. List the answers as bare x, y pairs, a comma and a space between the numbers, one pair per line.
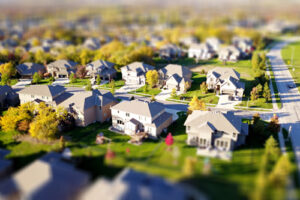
236, 178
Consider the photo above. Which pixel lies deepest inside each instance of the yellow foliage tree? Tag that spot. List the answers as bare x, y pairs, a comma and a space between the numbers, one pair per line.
189, 166
196, 104
152, 78
7, 69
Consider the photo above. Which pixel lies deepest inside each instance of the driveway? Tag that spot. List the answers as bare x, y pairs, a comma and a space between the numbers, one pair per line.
21, 84
128, 88
224, 102
61, 81
165, 94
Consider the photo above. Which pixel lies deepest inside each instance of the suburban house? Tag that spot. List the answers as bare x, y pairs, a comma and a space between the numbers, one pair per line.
135, 73
229, 53
201, 51
89, 107
37, 93
214, 43
103, 68
175, 76
131, 117
170, 51
215, 130
26, 70
8, 97
188, 41
225, 80
49, 177
92, 43
245, 45
62, 68
129, 183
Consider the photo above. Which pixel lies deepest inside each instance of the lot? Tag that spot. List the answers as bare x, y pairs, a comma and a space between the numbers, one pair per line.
235, 179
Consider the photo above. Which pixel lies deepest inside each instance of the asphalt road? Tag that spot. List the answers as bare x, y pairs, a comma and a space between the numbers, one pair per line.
289, 115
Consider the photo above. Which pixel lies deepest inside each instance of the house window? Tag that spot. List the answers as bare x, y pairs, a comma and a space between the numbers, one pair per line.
120, 122
127, 114
222, 143
188, 128
32, 96
225, 144
234, 134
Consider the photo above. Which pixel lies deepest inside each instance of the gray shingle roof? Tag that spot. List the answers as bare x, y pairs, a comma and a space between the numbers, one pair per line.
144, 108
226, 122
67, 64
29, 68
224, 73
43, 90
180, 70
139, 67
86, 99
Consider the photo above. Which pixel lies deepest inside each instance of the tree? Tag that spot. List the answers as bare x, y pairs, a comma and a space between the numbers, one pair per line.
187, 85
62, 143
35, 42
255, 61
189, 166
81, 72
153, 98
45, 124
84, 57
203, 87
7, 69
253, 94
145, 88
5, 79
72, 78
196, 104
23, 126
255, 118
112, 86
88, 87
98, 80
36, 78
152, 78
272, 150
262, 64
274, 125
281, 171
169, 140
173, 93
259, 89
267, 92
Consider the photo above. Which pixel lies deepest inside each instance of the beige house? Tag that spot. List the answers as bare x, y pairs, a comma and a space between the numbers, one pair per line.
27, 70
90, 106
62, 68
103, 68
87, 106
135, 116
201, 51
175, 76
46, 93
135, 73
215, 130
229, 53
225, 81
8, 97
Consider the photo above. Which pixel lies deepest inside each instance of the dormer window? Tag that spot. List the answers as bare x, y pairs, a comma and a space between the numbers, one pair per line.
127, 114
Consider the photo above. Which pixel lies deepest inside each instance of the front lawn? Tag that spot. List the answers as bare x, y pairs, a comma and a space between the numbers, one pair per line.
197, 79
118, 85
150, 91
79, 83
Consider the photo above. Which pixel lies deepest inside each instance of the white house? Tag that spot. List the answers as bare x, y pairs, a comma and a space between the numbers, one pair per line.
225, 81
229, 53
131, 117
201, 51
135, 73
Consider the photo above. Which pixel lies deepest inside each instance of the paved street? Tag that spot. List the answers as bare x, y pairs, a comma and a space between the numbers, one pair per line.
289, 115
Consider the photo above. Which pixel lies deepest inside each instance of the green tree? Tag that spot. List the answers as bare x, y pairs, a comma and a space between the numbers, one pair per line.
7, 69
173, 93
272, 150
187, 85
259, 89
274, 125
255, 61
88, 87
36, 78
262, 64
203, 87
145, 88
267, 92
72, 78
112, 86
281, 171
98, 80
253, 94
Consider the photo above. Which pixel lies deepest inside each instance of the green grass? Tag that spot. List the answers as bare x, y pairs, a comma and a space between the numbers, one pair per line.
247, 76
118, 85
13, 81
45, 81
198, 78
79, 83
286, 54
275, 88
150, 91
